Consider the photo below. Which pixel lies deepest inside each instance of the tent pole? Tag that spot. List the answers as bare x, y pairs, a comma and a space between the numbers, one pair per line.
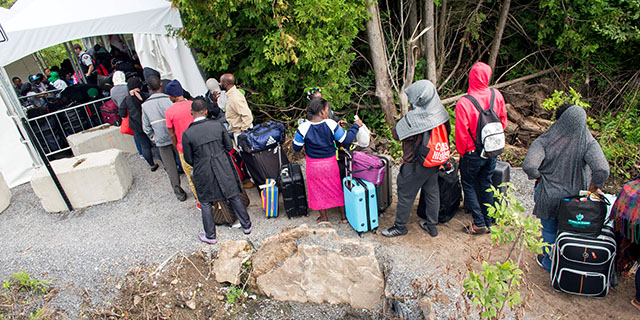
44, 61
38, 62
74, 62
47, 165
15, 110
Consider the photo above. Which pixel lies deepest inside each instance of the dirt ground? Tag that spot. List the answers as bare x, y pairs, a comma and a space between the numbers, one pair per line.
454, 249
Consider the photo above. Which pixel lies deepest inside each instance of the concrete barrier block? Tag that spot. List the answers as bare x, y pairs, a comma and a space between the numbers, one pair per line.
101, 138
5, 194
88, 179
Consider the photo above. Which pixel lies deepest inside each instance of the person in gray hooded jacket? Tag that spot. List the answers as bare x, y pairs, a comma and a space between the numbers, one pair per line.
154, 125
427, 113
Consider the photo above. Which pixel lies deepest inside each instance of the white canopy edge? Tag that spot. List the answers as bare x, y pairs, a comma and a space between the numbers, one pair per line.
33, 25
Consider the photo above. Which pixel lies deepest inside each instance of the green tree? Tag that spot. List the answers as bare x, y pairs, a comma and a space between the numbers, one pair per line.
277, 48
586, 26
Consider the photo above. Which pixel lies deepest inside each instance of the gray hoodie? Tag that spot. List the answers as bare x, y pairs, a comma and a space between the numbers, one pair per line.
153, 118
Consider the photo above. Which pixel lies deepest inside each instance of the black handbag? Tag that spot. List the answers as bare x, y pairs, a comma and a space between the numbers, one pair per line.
583, 215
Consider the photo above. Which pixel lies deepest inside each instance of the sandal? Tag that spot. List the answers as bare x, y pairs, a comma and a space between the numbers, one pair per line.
320, 220
345, 221
635, 303
474, 230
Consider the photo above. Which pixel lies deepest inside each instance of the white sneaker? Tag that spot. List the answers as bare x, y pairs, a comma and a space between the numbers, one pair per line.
236, 225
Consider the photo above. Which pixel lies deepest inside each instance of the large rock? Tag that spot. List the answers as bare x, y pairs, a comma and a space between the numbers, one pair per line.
88, 179
228, 265
5, 194
101, 138
313, 265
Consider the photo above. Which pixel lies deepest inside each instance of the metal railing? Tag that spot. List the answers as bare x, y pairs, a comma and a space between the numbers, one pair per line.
51, 129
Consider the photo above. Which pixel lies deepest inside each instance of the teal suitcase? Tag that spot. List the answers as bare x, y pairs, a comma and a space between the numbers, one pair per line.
360, 204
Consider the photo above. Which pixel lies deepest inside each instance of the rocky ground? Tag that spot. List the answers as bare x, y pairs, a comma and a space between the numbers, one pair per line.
88, 254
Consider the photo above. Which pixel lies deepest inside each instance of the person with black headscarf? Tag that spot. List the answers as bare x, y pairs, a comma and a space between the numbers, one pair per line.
132, 106
564, 160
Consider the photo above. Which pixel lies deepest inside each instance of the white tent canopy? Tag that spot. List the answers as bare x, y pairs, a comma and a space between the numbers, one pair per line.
32, 25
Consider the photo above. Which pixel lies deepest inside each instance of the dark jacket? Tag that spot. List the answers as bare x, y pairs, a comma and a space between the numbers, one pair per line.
133, 106
206, 147
410, 144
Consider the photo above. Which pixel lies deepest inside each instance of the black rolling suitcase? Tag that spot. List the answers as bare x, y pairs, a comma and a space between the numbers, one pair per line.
583, 265
293, 190
265, 164
383, 191
501, 174
450, 193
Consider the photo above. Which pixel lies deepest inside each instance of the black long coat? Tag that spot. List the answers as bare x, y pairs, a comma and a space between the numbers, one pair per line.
206, 145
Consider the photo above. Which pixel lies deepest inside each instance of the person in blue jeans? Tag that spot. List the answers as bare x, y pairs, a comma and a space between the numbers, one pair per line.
476, 170
564, 160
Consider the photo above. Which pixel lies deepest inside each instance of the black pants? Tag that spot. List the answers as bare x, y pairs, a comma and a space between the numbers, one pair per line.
238, 208
412, 178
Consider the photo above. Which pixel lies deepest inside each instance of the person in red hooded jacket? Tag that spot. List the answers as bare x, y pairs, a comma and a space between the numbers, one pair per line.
476, 170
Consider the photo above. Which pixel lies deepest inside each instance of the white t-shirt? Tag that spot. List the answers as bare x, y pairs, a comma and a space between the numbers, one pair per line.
60, 84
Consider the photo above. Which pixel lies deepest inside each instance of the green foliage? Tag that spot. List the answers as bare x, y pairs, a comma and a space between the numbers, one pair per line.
585, 27
394, 147
22, 281
7, 3
54, 55
560, 97
620, 138
235, 294
277, 48
495, 287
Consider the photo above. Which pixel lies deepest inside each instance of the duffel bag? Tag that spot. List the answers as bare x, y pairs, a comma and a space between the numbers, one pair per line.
582, 215
262, 137
368, 167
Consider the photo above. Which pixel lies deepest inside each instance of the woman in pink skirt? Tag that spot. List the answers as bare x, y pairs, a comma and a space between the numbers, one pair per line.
318, 136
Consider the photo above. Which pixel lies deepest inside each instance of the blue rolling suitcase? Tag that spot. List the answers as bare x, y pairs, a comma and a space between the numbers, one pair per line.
360, 204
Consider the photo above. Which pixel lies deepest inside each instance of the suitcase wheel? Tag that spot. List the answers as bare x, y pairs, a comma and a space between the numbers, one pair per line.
361, 234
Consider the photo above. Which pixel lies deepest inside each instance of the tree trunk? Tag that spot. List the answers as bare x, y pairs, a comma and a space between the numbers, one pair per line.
380, 63
431, 41
412, 21
442, 24
495, 48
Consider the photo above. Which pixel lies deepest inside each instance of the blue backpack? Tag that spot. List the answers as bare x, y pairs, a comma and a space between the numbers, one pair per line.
262, 137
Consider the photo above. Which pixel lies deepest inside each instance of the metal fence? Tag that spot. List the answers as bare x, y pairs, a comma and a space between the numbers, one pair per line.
51, 130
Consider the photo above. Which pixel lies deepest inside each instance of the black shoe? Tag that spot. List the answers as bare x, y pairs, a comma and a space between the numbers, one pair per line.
154, 167
180, 194
539, 259
394, 232
431, 229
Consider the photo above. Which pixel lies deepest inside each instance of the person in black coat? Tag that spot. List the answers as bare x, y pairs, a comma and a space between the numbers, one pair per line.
131, 106
206, 147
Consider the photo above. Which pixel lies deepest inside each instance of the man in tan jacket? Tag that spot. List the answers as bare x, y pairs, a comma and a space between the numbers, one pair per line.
237, 111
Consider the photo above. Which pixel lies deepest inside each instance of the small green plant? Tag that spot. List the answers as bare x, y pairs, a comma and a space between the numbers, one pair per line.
235, 294
496, 286
560, 97
38, 314
23, 282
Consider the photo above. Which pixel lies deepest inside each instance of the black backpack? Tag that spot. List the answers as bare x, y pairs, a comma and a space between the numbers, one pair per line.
489, 134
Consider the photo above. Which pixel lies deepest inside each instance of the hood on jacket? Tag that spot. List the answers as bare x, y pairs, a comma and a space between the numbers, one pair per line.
147, 72
573, 120
119, 78
479, 77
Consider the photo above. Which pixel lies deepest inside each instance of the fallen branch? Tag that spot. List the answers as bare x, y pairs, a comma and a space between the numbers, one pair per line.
503, 84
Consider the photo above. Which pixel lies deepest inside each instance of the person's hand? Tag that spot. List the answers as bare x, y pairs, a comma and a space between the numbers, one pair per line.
594, 189
216, 94
342, 123
359, 123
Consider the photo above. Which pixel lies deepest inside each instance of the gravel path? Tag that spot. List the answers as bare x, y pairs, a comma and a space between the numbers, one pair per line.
92, 249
